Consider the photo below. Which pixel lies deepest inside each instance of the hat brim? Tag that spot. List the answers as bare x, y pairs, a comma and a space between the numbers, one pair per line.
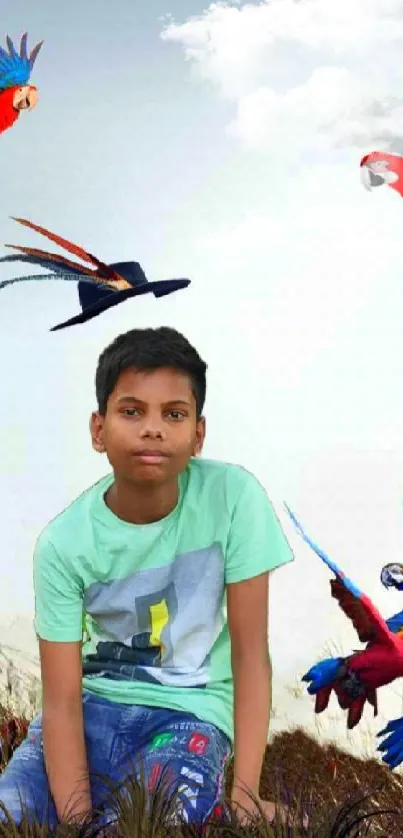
159, 289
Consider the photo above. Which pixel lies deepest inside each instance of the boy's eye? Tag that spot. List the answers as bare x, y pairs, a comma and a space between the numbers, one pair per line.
130, 411
172, 414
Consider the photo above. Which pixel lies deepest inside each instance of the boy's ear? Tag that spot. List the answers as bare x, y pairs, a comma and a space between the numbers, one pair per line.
200, 436
97, 432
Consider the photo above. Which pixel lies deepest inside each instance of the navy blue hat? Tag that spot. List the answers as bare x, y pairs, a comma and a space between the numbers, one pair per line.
97, 298
99, 287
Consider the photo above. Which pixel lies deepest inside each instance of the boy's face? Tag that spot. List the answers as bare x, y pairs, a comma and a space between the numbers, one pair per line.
150, 429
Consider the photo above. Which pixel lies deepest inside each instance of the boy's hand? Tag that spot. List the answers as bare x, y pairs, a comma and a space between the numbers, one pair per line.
247, 808
63, 729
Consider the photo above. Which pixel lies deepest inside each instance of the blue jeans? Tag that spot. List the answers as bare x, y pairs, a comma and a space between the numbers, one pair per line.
157, 745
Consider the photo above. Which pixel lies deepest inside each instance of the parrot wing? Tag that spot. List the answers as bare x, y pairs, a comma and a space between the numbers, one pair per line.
16, 68
366, 619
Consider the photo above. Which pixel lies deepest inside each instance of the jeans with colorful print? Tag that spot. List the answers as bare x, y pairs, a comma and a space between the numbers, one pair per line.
167, 747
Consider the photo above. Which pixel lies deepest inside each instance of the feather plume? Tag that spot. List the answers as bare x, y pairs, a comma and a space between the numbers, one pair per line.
108, 272
68, 277
48, 264
53, 257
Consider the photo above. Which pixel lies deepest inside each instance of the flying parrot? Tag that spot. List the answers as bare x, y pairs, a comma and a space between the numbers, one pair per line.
16, 94
355, 679
382, 167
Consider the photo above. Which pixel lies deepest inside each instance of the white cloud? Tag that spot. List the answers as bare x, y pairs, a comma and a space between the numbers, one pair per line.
316, 257
319, 259
307, 75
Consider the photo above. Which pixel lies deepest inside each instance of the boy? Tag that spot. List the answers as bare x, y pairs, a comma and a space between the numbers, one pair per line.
151, 604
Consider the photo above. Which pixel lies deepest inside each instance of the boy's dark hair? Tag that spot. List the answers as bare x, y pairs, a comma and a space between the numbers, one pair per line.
149, 349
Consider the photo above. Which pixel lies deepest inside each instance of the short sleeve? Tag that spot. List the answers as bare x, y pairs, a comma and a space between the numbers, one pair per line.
58, 596
256, 542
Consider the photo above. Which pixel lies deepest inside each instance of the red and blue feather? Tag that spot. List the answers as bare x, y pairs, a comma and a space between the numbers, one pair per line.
355, 679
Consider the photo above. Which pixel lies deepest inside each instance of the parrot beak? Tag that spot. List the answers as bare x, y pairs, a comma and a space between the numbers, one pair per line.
376, 174
25, 98
365, 177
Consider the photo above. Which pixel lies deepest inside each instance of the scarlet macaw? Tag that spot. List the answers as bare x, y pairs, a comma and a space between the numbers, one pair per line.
355, 678
381, 167
16, 94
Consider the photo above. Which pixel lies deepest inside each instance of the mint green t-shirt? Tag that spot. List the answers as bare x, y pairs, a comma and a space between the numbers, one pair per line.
148, 601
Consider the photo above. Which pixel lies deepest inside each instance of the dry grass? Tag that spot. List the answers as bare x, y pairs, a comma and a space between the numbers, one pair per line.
13, 729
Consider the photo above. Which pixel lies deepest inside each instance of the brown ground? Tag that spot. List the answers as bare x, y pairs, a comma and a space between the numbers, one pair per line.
295, 761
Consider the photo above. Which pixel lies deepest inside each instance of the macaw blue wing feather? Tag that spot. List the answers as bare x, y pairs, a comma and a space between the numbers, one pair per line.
11, 47
357, 606
68, 277
322, 555
391, 747
395, 623
34, 53
23, 47
16, 68
322, 674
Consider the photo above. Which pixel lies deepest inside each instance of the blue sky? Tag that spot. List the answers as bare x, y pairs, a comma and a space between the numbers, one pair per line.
224, 148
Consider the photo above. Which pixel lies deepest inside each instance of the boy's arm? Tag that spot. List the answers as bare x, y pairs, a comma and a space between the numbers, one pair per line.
58, 624
256, 546
251, 667
63, 729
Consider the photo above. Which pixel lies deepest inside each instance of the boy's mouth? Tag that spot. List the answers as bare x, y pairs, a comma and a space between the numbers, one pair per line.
150, 457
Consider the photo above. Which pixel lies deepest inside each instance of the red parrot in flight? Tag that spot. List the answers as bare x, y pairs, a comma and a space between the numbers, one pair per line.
16, 94
356, 678
382, 167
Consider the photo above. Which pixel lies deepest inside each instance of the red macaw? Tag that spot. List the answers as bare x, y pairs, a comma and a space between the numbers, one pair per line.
355, 679
16, 94
382, 167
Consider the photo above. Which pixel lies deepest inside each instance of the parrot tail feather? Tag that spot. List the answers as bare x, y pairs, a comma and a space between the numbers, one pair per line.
372, 698
355, 711
322, 699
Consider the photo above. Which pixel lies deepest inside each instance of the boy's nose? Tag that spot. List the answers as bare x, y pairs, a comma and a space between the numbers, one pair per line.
151, 431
